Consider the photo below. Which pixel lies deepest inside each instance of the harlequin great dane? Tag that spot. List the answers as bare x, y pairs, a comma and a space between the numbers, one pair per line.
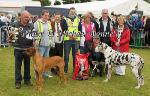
117, 58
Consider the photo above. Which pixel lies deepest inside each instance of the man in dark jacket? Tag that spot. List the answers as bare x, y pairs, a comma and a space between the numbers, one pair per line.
24, 41
105, 27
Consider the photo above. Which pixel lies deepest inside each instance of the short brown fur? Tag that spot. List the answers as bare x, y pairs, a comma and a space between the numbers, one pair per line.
42, 64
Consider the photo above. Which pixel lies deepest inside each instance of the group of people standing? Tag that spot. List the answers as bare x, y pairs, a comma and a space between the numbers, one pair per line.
115, 35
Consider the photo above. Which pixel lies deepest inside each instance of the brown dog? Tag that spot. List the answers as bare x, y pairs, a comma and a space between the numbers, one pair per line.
42, 64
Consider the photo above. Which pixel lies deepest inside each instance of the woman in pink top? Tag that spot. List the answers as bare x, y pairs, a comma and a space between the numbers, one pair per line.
86, 27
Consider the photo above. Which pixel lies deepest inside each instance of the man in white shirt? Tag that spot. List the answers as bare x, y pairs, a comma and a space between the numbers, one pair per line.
105, 27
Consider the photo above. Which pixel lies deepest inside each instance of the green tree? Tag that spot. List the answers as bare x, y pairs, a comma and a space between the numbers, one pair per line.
43, 2
57, 3
147, 1
77, 1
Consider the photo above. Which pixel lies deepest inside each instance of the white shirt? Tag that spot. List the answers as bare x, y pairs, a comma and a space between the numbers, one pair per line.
105, 24
58, 36
120, 30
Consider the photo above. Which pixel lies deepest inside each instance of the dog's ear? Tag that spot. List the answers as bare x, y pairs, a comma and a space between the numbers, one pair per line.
28, 50
100, 43
33, 50
103, 46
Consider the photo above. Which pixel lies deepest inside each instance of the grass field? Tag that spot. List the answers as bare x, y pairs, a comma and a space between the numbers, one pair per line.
117, 86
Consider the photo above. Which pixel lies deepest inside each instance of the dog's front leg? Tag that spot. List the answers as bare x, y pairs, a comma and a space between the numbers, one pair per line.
40, 82
108, 73
37, 78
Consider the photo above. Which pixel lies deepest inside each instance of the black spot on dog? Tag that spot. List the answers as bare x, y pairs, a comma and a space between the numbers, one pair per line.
123, 57
117, 63
115, 58
126, 57
110, 51
118, 60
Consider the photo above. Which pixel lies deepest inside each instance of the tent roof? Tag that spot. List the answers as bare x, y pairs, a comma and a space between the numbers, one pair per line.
19, 3
95, 6
144, 6
118, 6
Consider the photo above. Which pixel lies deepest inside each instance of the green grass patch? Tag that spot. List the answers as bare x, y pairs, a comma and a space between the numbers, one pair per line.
117, 86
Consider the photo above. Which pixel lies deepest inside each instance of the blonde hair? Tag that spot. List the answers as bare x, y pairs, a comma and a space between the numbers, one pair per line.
86, 15
121, 17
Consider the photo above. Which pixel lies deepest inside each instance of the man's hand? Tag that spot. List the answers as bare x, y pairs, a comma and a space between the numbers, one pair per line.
72, 37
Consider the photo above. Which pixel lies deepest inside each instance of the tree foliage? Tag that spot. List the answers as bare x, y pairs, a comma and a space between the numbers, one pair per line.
75, 1
43, 2
47, 2
147, 1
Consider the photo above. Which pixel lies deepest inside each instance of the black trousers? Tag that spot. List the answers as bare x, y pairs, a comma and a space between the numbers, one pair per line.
57, 51
20, 55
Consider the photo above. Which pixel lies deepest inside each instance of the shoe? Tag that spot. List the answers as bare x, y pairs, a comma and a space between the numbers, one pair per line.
28, 83
119, 74
49, 76
18, 85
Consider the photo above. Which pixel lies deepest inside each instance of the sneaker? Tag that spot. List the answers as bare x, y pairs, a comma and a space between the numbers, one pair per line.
46, 75
18, 85
49, 76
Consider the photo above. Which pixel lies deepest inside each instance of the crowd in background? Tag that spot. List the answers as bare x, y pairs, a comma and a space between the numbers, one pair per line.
139, 26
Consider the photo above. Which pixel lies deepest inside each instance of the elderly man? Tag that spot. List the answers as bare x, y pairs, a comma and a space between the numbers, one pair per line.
24, 41
105, 27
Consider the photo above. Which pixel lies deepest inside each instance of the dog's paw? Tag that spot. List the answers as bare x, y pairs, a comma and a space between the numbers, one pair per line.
106, 80
137, 87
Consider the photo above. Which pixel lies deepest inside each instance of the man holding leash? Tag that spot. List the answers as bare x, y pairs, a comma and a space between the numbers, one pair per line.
24, 41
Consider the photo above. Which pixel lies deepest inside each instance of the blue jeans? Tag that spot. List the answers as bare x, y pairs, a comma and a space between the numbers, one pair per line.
44, 51
67, 47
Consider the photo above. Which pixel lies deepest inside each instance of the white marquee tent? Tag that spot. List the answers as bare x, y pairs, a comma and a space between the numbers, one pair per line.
118, 6
14, 6
144, 6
